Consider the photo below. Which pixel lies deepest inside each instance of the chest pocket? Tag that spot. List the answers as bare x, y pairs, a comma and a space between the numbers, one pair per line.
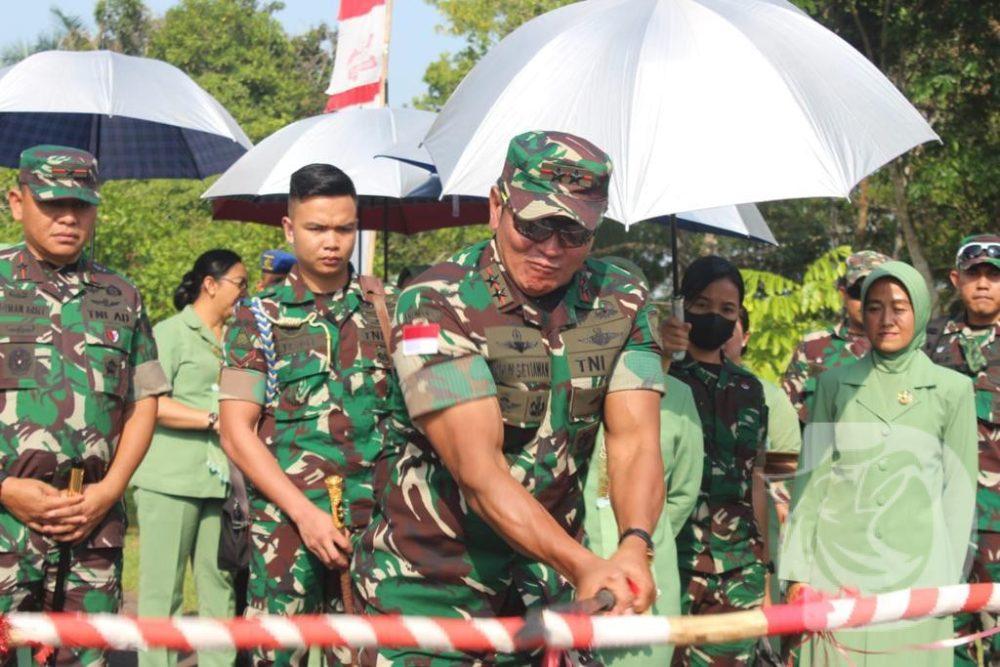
591, 350
367, 370
522, 370
108, 345
303, 370
25, 338
108, 325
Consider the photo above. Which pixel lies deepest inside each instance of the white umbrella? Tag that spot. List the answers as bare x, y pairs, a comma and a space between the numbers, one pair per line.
700, 103
349, 139
740, 221
395, 196
142, 118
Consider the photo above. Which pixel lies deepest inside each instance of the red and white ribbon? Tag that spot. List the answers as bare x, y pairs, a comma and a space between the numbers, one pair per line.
493, 635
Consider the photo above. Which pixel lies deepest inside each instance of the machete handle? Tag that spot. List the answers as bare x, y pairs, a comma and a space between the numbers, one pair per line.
605, 600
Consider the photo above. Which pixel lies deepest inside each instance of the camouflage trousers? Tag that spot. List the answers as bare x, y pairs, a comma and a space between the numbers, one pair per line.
985, 568
736, 590
93, 585
287, 579
391, 585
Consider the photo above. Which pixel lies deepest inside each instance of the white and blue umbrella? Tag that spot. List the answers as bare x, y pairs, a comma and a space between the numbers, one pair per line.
141, 118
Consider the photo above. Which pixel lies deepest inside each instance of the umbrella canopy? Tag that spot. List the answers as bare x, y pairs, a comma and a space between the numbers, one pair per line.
394, 195
740, 221
141, 118
700, 103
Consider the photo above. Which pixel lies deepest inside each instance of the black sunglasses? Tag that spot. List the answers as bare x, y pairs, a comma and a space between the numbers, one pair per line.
854, 291
571, 234
977, 250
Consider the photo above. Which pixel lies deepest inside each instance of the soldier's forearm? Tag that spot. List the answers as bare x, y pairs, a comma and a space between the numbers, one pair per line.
635, 462
637, 491
137, 432
240, 442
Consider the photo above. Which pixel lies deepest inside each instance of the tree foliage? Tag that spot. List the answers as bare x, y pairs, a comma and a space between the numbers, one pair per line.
782, 310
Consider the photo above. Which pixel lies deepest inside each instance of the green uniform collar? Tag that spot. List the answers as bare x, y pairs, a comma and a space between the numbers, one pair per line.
28, 268
294, 292
191, 319
508, 297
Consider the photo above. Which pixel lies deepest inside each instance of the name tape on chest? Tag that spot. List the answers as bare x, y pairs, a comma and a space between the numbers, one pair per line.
421, 339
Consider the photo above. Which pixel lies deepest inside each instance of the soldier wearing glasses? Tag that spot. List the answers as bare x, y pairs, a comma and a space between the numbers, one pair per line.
839, 345
970, 344
510, 356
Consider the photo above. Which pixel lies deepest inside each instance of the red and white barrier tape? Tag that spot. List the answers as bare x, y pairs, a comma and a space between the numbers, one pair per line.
493, 635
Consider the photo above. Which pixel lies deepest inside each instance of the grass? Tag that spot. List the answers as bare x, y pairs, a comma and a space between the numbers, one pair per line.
130, 574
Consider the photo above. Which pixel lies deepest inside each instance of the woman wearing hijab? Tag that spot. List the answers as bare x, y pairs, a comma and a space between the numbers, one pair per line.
885, 495
719, 548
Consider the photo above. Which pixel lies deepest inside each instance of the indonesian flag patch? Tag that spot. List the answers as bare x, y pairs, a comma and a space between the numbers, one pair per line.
420, 339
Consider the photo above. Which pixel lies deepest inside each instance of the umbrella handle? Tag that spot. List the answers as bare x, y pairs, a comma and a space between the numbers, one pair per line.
678, 311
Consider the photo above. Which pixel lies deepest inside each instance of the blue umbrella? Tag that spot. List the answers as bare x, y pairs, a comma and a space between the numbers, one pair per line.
141, 118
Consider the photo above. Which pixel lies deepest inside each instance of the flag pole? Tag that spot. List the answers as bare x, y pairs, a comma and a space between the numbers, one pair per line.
385, 54
384, 102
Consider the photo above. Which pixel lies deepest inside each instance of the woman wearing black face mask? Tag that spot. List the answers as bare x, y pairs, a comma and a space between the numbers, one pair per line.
720, 551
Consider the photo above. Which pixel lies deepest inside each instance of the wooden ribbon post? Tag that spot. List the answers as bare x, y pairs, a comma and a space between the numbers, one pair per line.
335, 487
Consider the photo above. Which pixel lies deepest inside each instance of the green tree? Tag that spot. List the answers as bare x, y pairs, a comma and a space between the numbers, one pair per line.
238, 52
123, 26
782, 310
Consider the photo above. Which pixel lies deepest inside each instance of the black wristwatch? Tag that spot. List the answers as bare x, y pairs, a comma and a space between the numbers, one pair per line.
213, 419
642, 535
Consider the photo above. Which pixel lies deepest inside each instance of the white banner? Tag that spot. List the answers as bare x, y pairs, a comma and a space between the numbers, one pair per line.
361, 52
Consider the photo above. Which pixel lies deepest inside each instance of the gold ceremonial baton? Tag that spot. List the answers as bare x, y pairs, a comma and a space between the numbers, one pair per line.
335, 487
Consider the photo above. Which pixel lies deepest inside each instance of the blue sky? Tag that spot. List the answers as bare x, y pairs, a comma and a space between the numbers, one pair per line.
415, 43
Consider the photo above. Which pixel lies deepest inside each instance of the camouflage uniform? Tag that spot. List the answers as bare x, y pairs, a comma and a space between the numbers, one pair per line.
75, 350
976, 353
719, 549
425, 551
832, 347
335, 388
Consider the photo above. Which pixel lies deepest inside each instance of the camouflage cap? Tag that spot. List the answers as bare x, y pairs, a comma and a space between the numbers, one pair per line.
276, 261
59, 172
860, 264
967, 256
556, 174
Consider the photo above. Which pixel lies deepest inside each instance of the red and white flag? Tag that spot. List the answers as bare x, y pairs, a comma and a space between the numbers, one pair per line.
362, 51
420, 339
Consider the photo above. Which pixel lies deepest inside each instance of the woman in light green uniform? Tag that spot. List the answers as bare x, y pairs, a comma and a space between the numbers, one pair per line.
885, 494
683, 457
183, 480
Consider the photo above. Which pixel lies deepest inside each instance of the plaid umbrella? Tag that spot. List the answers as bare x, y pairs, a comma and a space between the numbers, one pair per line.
141, 118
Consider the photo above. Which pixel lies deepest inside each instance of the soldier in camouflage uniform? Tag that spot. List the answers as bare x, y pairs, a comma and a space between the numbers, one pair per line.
720, 549
78, 381
509, 354
970, 344
328, 362
839, 345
